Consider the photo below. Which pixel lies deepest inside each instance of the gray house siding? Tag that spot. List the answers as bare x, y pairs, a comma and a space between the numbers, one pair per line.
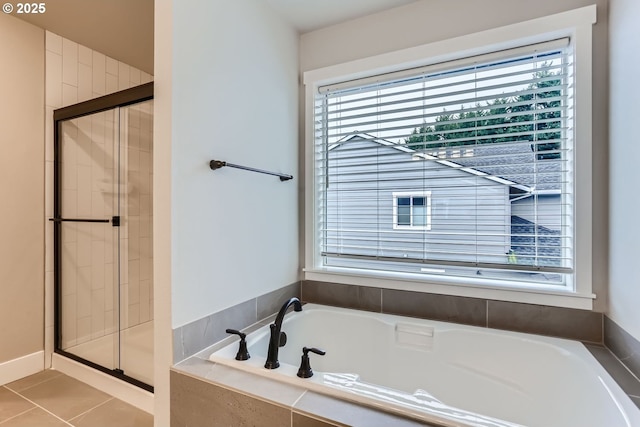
544, 210
472, 217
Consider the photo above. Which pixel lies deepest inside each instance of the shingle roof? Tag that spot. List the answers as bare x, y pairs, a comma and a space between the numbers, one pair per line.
516, 162
510, 163
535, 242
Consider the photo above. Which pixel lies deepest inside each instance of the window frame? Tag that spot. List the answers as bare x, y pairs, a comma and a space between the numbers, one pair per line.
411, 194
575, 24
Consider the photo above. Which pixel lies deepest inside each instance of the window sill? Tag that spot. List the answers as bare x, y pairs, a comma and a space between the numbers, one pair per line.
453, 286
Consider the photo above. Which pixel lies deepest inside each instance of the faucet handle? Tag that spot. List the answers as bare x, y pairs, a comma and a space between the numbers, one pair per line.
306, 350
243, 353
305, 370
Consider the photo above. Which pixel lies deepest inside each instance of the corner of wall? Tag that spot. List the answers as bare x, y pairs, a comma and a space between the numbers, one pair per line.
22, 270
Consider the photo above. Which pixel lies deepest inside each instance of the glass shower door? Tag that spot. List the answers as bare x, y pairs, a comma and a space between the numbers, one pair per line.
89, 197
103, 240
136, 255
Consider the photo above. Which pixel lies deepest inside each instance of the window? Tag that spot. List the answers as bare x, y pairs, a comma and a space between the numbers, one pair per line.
506, 207
465, 171
412, 211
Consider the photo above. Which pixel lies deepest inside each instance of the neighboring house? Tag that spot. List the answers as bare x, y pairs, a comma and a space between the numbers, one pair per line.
420, 215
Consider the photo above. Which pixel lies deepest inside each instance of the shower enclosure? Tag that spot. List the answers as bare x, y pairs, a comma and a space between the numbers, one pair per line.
103, 258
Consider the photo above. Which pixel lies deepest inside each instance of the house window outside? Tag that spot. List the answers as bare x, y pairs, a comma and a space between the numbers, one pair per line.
412, 211
497, 139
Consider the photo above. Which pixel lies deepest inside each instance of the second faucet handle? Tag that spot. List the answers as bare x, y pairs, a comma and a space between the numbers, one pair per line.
243, 353
305, 370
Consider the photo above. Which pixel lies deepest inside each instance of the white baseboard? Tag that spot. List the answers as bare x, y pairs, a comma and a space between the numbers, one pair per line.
21, 367
122, 390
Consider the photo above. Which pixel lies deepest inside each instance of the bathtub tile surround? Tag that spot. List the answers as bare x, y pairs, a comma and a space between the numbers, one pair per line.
190, 339
193, 337
625, 379
196, 402
268, 304
205, 392
469, 311
323, 410
300, 420
266, 398
581, 325
568, 323
356, 297
200, 367
346, 413
623, 345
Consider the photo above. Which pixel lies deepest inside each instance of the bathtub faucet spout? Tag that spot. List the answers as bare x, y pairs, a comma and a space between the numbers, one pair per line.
278, 338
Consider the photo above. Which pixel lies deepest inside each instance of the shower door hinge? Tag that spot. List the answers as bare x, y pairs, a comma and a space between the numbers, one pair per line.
115, 221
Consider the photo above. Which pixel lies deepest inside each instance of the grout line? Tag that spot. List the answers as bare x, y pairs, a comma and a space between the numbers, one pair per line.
324, 421
256, 312
95, 407
41, 407
615, 356
17, 415
37, 384
293, 405
486, 313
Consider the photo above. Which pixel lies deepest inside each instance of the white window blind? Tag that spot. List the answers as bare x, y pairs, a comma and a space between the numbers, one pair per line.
489, 139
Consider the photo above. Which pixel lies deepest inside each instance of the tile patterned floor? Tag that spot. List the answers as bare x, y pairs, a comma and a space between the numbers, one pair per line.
52, 399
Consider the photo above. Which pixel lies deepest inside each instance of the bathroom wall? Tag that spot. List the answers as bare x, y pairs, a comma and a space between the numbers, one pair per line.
226, 88
624, 236
162, 208
234, 99
22, 191
75, 73
428, 21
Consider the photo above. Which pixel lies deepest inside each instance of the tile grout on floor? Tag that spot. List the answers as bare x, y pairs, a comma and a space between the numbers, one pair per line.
17, 415
36, 406
91, 409
101, 410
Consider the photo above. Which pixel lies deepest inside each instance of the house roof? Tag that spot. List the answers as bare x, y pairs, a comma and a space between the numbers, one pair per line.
512, 164
516, 162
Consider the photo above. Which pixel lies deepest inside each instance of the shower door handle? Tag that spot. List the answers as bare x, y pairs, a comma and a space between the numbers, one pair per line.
115, 220
79, 220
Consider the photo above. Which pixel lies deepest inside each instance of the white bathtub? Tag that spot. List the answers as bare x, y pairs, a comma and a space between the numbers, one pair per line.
449, 374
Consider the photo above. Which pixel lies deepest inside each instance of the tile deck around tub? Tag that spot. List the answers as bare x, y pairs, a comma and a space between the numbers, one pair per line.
618, 371
265, 398
52, 399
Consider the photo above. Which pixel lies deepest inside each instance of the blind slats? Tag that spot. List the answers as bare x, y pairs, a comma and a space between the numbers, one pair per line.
467, 167
400, 77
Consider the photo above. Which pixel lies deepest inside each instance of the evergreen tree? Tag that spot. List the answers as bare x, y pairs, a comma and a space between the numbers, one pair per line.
535, 111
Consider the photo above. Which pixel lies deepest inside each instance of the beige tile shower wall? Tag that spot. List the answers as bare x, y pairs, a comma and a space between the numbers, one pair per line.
89, 190
75, 73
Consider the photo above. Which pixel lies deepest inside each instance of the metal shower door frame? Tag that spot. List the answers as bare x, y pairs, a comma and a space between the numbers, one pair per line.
122, 98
